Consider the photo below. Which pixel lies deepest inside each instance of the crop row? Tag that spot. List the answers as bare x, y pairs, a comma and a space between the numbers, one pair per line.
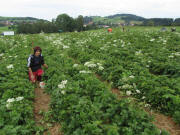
16, 91
84, 105
142, 64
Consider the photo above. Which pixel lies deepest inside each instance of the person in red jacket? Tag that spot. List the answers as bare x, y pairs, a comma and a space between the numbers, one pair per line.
35, 61
109, 30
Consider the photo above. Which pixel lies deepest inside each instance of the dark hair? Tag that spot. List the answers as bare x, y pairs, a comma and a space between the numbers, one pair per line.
37, 48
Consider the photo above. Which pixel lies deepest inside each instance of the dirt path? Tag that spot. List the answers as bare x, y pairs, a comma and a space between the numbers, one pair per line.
41, 104
161, 121
165, 122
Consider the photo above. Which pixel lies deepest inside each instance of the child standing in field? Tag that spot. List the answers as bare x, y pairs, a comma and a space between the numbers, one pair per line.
35, 61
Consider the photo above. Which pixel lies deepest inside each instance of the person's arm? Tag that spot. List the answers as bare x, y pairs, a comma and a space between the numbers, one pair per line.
30, 70
31, 73
45, 65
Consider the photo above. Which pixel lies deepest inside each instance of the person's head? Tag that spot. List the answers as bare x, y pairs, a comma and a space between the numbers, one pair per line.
37, 51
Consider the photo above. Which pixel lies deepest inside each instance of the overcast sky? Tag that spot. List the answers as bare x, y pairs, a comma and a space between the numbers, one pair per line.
48, 9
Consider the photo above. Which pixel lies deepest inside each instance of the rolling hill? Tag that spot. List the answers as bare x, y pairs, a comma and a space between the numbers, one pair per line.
18, 19
115, 19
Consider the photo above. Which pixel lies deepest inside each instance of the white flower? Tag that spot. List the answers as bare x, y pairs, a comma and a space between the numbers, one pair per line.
102, 48
125, 79
99, 64
10, 66
128, 93
171, 56
131, 76
83, 71
126, 86
10, 100
19, 98
138, 91
75, 65
177, 54
90, 64
1, 54
115, 46
87, 63
101, 68
138, 52
61, 86
8, 105
63, 92
152, 40
147, 105
64, 82
143, 97
134, 85
64, 46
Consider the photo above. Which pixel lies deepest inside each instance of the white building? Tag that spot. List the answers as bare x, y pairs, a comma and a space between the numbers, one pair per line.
8, 33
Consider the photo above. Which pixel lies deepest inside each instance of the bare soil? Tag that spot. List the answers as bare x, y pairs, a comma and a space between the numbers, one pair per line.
41, 104
165, 122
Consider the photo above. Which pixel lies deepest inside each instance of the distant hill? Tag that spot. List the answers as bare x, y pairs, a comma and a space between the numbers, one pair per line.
6, 21
115, 19
18, 19
129, 17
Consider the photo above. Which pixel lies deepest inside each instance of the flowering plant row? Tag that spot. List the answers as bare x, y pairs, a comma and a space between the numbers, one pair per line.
83, 104
143, 64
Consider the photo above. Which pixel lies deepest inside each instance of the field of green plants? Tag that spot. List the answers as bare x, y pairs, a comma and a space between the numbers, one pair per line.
3, 29
143, 63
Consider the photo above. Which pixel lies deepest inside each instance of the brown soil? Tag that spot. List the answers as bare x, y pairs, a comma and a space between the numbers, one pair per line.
41, 103
165, 122
161, 121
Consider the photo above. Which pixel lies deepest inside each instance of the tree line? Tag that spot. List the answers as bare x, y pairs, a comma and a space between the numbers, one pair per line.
129, 19
161, 22
63, 23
